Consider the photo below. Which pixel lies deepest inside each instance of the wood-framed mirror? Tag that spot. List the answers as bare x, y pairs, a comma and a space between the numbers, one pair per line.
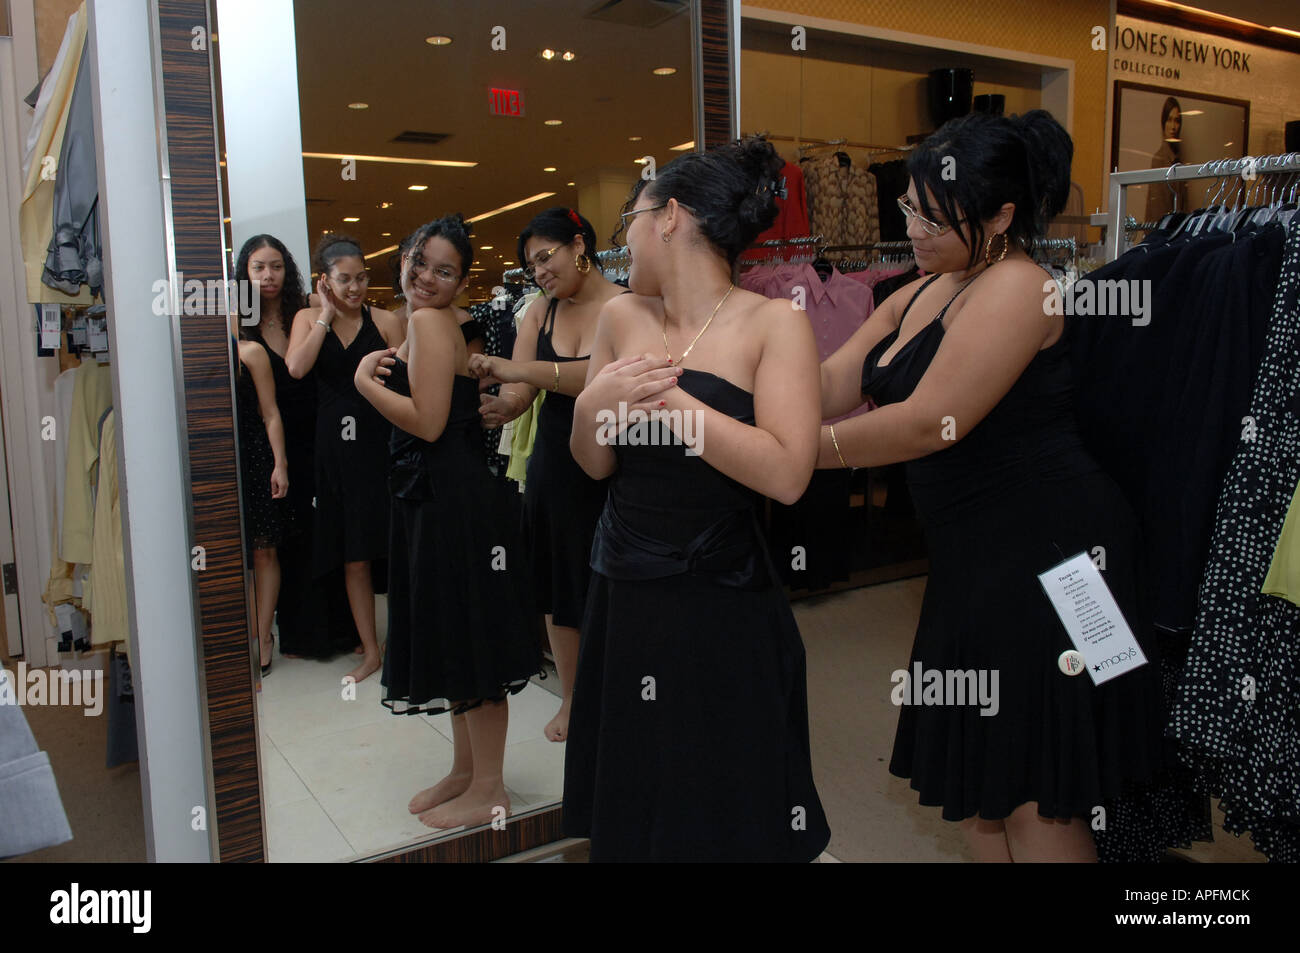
277, 794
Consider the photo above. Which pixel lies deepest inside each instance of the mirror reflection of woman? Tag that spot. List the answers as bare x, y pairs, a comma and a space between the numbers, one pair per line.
351, 513
264, 482
459, 635
561, 503
302, 622
1161, 197
970, 368
422, 297
688, 738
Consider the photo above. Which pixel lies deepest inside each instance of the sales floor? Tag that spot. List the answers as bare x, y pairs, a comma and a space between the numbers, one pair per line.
854, 641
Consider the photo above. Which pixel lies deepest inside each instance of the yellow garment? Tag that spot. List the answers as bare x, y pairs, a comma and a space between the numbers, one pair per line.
521, 440
1283, 577
36, 216
62, 586
93, 395
105, 597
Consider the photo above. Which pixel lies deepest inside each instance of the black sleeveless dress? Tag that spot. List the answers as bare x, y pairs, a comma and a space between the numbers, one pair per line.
459, 628
1017, 495
688, 738
561, 503
312, 615
266, 520
351, 457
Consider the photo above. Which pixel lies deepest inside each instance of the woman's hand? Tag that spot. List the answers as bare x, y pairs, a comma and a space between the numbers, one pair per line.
498, 411
375, 366
279, 482
501, 369
637, 382
329, 304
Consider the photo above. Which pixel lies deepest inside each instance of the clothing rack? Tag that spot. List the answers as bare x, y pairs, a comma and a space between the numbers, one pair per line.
1117, 217
886, 248
607, 259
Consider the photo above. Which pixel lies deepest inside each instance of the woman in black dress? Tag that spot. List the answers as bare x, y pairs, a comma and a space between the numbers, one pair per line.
689, 733
970, 370
312, 618
416, 296
351, 518
561, 503
264, 482
459, 637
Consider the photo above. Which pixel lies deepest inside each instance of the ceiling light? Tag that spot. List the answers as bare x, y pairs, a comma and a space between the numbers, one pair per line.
225, 220
641, 161
486, 247
512, 206
633, 138
358, 105
555, 122
1193, 112
351, 218
400, 160
665, 71
438, 40
569, 56
572, 183
416, 188
549, 168
548, 54
382, 251
683, 147
385, 204
385, 234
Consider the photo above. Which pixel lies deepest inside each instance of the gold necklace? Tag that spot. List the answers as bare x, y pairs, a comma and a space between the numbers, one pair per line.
730, 289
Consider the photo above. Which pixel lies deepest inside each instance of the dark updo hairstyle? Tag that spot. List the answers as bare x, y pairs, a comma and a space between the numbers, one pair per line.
558, 225
453, 228
977, 163
293, 297
331, 248
731, 189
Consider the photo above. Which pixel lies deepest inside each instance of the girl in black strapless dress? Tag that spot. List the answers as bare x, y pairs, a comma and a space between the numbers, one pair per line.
311, 615
970, 371
459, 638
351, 514
689, 733
561, 503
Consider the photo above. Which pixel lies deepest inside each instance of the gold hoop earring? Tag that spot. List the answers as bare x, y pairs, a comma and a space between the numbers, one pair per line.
988, 248
582, 263
664, 236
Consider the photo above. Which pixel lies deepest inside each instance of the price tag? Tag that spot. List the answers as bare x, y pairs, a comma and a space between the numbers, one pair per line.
1092, 618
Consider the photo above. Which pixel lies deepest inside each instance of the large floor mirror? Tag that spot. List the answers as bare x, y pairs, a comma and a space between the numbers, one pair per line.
368, 122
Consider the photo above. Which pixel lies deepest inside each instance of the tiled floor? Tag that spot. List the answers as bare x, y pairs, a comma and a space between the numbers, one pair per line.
337, 774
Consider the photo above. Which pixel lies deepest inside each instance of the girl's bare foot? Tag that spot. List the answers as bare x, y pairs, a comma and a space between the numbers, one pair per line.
470, 809
557, 729
453, 785
367, 668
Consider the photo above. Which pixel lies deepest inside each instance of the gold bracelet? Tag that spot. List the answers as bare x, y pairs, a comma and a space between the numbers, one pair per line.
510, 393
836, 444
557, 376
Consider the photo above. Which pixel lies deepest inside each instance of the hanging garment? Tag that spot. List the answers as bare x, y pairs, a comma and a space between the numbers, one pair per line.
792, 213
64, 583
842, 204
74, 256
31, 813
106, 584
1283, 577
518, 435
92, 395
120, 705
1236, 705
891, 182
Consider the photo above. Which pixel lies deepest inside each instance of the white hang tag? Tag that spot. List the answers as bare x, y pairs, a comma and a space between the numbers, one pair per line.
1092, 618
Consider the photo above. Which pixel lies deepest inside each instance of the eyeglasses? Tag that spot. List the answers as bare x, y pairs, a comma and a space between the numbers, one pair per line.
542, 258
360, 281
624, 216
443, 274
931, 228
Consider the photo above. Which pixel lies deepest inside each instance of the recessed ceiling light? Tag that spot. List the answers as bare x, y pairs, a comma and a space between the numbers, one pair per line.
438, 40
555, 122
573, 183
569, 56
486, 247
385, 204
416, 188
358, 105
549, 168
351, 218
633, 138
683, 147
665, 71
641, 161
548, 54
385, 234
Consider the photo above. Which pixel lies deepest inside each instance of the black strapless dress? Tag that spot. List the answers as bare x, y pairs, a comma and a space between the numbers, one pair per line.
688, 739
561, 503
459, 629
1014, 497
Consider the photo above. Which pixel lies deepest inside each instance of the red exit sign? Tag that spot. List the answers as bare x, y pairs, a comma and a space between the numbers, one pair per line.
506, 102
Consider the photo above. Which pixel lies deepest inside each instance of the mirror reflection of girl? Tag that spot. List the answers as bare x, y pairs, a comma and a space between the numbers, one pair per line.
561, 503
971, 371
689, 733
264, 478
459, 637
351, 515
422, 297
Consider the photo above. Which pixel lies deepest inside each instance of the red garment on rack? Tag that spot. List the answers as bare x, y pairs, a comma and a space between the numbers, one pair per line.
792, 215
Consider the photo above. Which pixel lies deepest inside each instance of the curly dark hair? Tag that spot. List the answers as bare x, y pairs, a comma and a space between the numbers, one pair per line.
452, 227
292, 296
